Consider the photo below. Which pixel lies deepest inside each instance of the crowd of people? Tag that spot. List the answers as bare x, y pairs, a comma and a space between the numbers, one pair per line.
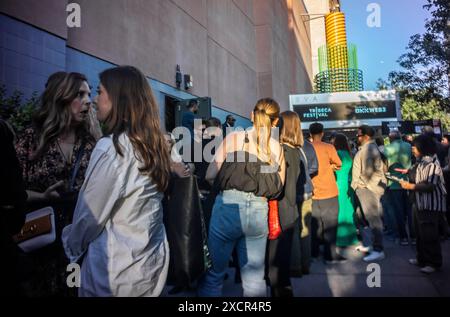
105, 171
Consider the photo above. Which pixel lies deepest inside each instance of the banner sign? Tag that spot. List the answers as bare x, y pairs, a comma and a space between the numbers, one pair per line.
350, 109
411, 127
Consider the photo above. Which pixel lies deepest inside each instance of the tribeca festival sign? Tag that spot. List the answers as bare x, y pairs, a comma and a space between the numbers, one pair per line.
347, 109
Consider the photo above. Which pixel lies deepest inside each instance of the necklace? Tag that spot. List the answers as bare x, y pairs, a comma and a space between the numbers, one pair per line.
68, 148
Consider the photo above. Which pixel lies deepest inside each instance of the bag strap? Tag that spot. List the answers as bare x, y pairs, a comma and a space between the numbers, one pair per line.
303, 154
246, 141
76, 168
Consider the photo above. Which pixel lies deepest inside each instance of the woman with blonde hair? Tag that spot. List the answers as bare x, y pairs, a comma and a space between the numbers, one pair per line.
118, 221
248, 169
54, 154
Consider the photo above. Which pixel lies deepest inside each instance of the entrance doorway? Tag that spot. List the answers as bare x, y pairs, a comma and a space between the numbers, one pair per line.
170, 113
175, 108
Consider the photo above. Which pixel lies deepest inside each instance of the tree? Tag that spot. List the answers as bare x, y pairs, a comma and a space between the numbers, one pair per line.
423, 82
414, 110
15, 110
425, 74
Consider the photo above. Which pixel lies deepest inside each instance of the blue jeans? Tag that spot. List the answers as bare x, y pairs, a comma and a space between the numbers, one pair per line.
238, 220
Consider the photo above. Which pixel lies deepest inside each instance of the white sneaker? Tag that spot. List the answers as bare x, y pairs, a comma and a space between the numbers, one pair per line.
428, 269
374, 256
413, 262
362, 248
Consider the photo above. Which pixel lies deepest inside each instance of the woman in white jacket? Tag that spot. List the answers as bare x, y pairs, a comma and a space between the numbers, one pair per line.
117, 229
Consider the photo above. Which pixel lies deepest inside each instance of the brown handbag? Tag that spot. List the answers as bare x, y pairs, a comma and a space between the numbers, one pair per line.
34, 228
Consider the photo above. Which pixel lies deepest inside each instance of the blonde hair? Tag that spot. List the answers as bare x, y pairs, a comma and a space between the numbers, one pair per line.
265, 113
54, 117
291, 132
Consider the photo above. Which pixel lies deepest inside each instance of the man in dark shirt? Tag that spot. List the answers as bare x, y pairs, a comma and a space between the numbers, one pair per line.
228, 125
190, 116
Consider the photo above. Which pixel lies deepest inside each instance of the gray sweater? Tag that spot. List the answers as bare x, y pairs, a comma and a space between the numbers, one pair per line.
368, 169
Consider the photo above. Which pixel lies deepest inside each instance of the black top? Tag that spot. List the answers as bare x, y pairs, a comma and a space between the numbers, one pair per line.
246, 172
202, 167
12, 217
287, 206
292, 158
12, 188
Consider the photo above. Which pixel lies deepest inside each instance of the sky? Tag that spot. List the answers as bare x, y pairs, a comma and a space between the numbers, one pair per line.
380, 47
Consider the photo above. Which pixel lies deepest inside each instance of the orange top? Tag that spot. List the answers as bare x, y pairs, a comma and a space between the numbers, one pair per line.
325, 182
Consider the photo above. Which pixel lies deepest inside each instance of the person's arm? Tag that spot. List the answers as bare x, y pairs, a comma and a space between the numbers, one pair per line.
50, 194
356, 170
434, 173
23, 148
335, 160
313, 163
101, 189
424, 187
282, 165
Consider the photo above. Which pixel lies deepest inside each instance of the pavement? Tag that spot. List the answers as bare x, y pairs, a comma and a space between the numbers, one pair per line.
397, 277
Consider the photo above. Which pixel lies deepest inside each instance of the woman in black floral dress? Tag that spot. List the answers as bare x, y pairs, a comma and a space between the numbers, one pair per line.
63, 135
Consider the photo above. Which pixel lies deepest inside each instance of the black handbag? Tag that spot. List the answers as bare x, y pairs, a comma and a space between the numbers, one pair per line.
186, 231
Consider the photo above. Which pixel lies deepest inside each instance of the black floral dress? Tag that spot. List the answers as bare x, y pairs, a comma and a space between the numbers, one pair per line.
48, 272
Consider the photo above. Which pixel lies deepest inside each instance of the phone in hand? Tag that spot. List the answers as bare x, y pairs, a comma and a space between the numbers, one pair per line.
393, 178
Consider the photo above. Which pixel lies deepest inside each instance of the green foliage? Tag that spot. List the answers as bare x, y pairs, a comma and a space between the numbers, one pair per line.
423, 82
426, 63
416, 110
17, 111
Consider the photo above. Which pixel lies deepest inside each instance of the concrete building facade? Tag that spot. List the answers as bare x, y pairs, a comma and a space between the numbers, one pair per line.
236, 51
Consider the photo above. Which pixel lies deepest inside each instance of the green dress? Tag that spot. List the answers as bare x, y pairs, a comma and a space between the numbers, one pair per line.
346, 232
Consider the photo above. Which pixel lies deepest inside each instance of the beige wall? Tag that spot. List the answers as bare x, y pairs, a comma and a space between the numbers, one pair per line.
236, 50
317, 26
284, 51
49, 15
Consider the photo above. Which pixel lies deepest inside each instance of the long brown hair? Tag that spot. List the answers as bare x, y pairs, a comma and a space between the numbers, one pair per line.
265, 113
291, 132
341, 143
54, 116
135, 112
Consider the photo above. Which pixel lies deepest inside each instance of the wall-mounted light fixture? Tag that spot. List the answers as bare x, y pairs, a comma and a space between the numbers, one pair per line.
178, 77
188, 81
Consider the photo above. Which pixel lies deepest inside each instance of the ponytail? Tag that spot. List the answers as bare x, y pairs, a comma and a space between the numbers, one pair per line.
266, 111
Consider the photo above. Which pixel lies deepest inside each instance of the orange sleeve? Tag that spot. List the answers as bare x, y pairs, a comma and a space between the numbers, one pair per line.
334, 157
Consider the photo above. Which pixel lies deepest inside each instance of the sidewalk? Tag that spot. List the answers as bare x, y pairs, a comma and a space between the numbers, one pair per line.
398, 277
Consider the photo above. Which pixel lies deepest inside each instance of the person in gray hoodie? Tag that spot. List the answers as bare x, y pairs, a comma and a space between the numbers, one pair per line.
369, 183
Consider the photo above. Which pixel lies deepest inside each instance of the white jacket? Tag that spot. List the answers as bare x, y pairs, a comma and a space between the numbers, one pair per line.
118, 227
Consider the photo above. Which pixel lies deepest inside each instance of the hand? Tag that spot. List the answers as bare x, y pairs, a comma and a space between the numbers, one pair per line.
335, 167
51, 193
180, 169
407, 185
94, 124
401, 170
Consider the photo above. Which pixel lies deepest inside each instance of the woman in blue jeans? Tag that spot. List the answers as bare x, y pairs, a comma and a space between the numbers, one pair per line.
248, 168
